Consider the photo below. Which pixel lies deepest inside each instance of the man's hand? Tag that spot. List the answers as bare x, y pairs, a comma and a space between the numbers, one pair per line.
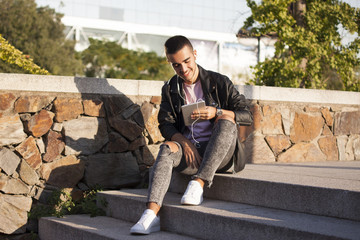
205, 113
191, 154
208, 113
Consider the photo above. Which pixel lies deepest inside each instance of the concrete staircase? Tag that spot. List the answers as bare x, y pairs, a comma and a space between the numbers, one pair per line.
264, 201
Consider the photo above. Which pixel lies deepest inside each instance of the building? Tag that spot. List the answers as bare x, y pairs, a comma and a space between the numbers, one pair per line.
146, 24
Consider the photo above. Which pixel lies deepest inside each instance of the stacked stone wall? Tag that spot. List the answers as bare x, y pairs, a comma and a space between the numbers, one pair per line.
73, 142
296, 132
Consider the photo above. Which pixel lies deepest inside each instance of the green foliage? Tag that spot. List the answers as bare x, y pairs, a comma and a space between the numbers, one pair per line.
39, 33
110, 60
13, 56
313, 55
61, 203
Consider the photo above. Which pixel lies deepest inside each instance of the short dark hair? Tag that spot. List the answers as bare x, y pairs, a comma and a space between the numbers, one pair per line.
175, 43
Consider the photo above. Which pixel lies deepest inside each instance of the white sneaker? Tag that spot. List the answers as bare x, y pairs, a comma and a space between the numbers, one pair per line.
147, 224
193, 194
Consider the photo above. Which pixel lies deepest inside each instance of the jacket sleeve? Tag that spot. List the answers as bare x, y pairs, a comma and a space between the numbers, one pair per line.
167, 119
238, 103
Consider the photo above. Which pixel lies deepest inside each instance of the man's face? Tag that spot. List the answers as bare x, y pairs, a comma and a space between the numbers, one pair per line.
183, 62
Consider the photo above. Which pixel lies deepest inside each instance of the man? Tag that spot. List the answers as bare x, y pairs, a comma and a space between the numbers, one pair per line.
210, 144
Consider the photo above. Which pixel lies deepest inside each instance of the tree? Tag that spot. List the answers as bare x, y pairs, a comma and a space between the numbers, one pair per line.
310, 51
110, 60
13, 56
39, 33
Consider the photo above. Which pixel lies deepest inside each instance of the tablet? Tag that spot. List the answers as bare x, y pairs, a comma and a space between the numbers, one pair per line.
188, 109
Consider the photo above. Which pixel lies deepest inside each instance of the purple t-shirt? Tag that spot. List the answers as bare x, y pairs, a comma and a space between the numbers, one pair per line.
199, 131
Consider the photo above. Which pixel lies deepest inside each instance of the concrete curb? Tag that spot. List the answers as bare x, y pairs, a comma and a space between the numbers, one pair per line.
27, 82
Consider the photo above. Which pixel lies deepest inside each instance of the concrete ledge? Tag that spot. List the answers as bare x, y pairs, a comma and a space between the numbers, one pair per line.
64, 84
299, 95
27, 82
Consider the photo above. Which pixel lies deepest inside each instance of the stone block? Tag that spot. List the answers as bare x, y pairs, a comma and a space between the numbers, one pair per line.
9, 161
356, 147
117, 143
28, 174
137, 143
114, 105
94, 108
128, 112
41, 145
32, 103
55, 145
85, 135
40, 123
272, 124
11, 130
7, 101
302, 152
347, 123
306, 127
112, 171
29, 151
278, 143
11, 185
65, 172
127, 128
341, 143
152, 127
146, 110
329, 148
155, 100
13, 213
57, 127
329, 120
67, 109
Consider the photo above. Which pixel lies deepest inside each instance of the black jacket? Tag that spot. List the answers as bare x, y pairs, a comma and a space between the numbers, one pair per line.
219, 91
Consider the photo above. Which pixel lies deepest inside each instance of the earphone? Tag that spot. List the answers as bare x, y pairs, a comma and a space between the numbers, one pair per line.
197, 143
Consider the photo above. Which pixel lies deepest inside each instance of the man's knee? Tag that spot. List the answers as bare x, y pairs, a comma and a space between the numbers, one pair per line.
173, 146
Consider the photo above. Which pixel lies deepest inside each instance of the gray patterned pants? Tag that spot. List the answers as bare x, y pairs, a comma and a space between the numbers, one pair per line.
216, 153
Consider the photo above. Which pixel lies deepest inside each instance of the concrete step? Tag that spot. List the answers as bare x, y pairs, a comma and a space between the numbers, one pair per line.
215, 219
83, 227
323, 188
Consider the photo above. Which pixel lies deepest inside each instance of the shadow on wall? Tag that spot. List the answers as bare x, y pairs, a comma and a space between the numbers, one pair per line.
103, 139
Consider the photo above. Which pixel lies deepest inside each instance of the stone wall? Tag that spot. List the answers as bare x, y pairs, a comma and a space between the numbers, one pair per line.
297, 132
74, 133
72, 141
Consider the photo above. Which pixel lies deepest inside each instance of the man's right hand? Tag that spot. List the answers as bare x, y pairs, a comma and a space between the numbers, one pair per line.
191, 154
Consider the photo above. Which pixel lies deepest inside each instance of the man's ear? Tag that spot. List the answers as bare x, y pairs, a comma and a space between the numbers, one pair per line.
195, 54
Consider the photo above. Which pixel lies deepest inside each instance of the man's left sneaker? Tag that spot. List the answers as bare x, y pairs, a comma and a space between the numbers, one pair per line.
193, 194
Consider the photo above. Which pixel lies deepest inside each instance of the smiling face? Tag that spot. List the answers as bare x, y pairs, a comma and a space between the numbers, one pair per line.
183, 62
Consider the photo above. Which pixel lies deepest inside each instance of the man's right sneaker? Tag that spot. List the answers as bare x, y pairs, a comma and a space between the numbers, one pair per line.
147, 224
193, 194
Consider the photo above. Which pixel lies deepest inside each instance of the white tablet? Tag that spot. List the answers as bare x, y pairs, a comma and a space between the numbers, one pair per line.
188, 109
